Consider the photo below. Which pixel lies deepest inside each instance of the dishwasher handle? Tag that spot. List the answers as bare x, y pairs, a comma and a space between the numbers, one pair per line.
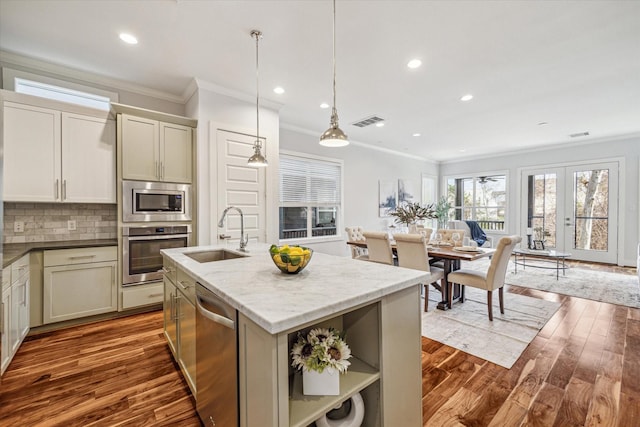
214, 317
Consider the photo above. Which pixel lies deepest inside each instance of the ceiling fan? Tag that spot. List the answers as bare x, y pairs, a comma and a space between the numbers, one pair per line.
485, 179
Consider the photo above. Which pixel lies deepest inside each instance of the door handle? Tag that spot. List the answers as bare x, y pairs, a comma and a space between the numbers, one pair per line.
224, 236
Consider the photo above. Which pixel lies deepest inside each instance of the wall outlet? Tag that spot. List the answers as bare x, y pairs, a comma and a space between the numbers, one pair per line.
18, 227
71, 225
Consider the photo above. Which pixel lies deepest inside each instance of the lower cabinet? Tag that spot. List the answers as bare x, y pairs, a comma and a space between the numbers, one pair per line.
15, 309
180, 324
79, 283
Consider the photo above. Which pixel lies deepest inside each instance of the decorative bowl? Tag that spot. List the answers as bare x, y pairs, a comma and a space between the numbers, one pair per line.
290, 259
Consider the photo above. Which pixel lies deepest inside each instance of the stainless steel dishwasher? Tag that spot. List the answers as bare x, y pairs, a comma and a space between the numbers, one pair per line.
216, 360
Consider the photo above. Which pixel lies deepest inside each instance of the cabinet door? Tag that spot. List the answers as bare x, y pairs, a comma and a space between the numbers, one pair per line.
74, 291
170, 316
140, 148
5, 357
88, 159
187, 340
175, 152
20, 306
31, 154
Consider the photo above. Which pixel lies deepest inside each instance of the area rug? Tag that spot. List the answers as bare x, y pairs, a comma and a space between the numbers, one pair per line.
467, 326
613, 288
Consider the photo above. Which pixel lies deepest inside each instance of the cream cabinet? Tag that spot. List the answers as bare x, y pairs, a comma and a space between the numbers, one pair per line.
55, 156
79, 283
153, 150
15, 308
180, 323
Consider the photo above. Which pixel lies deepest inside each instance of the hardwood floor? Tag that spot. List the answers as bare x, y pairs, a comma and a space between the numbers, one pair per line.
583, 369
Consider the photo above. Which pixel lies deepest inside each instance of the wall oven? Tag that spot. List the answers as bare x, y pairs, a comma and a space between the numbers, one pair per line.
141, 258
155, 201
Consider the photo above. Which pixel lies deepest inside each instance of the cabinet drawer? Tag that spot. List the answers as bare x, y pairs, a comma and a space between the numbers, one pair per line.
79, 255
138, 296
187, 286
19, 268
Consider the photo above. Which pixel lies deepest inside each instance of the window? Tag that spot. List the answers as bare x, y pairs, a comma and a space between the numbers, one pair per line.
310, 196
479, 198
63, 94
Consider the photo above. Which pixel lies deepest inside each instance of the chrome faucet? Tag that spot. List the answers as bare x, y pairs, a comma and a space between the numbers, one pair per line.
243, 239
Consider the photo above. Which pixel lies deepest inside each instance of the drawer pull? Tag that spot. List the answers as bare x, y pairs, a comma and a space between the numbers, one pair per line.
82, 256
184, 284
165, 270
154, 295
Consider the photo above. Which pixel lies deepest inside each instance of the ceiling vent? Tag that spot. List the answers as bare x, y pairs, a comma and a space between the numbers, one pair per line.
368, 121
579, 134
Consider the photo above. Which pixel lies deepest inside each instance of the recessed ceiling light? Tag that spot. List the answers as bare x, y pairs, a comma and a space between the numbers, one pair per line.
543, 123
414, 63
324, 105
467, 97
462, 150
128, 38
279, 90
380, 124
417, 134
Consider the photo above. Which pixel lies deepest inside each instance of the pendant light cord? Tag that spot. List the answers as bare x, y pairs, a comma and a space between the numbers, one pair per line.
334, 111
257, 35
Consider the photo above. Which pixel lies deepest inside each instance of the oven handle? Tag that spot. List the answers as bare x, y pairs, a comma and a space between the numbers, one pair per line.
162, 237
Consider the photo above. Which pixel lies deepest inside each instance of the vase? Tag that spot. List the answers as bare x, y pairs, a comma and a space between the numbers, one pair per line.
413, 229
325, 383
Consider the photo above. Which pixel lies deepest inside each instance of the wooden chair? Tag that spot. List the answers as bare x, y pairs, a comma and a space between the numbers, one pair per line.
354, 234
412, 253
379, 247
491, 280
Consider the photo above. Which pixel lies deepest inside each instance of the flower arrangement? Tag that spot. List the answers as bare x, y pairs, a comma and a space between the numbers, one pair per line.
409, 213
320, 349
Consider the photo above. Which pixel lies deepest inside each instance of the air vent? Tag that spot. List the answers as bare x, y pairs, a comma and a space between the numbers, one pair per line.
368, 121
579, 134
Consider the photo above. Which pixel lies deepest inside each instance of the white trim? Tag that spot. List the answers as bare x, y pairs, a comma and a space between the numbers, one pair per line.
304, 131
236, 94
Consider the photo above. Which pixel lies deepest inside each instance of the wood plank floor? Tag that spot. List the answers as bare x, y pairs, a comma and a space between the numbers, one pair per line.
583, 369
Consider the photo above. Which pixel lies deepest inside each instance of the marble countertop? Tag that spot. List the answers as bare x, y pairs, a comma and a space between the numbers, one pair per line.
13, 251
279, 302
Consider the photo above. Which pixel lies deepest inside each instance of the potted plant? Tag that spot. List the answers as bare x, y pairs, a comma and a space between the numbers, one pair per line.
322, 356
442, 211
410, 213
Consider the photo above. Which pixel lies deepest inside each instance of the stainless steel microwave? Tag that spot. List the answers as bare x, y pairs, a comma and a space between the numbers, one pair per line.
155, 201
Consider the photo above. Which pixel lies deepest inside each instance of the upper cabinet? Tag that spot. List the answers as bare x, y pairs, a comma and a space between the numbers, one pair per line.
56, 156
154, 150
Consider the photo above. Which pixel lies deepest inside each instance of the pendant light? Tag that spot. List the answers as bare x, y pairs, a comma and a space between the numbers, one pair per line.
257, 159
334, 136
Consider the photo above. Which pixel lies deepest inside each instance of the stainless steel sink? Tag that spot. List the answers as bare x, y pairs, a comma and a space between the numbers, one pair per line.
214, 255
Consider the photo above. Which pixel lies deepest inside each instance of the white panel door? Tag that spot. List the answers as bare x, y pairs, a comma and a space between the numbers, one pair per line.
239, 185
88, 159
31, 154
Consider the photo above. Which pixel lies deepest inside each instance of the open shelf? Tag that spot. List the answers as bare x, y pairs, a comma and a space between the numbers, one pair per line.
303, 410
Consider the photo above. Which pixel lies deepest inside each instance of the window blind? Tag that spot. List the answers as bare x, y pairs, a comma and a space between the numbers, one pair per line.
309, 181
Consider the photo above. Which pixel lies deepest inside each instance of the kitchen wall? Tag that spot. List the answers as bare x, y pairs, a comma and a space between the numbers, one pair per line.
626, 150
46, 222
363, 168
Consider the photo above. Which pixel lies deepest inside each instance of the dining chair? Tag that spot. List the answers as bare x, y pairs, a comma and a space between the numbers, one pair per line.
490, 280
462, 225
378, 246
412, 253
447, 234
354, 234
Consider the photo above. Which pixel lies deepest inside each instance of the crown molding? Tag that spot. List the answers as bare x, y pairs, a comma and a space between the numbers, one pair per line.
548, 147
63, 72
316, 134
232, 93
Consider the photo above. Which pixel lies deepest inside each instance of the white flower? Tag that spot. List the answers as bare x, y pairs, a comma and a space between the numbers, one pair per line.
320, 349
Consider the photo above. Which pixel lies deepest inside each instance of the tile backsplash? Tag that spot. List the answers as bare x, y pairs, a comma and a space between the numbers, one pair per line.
46, 222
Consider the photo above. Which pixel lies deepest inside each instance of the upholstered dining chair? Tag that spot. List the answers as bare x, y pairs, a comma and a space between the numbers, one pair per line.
490, 280
412, 253
462, 225
379, 247
447, 234
354, 234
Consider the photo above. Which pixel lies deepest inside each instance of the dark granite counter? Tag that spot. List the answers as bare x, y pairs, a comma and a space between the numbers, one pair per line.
13, 251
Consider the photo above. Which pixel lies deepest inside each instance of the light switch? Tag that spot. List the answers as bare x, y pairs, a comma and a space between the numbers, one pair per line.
71, 225
18, 227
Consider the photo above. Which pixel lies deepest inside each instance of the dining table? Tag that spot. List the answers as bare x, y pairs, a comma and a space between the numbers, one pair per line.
451, 257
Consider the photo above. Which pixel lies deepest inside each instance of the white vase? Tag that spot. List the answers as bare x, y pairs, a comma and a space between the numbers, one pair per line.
413, 229
320, 384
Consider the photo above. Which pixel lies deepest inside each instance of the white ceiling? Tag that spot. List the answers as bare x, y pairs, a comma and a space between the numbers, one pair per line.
572, 64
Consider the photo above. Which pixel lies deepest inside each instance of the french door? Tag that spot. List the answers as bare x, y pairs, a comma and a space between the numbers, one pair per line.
573, 209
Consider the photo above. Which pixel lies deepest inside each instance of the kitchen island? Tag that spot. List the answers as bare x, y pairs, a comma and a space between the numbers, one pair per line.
378, 306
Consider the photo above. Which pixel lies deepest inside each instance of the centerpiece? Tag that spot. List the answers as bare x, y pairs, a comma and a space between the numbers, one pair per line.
290, 259
411, 213
322, 356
